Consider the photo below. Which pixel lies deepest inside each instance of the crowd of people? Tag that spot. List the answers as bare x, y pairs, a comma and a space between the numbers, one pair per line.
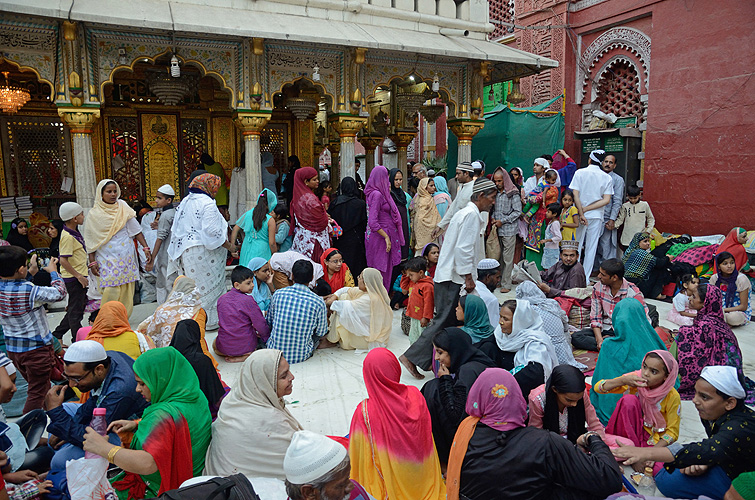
314, 269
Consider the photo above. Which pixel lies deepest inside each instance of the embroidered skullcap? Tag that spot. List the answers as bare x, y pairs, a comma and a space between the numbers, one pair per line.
542, 162
482, 184
485, 264
597, 156
85, 351
311, 456
465, 167
69, 210
167, 190
570, 245
725, 379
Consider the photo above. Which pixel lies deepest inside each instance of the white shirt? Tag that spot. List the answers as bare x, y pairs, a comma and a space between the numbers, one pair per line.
592, 183
463, 196
530, 184
491, 302
461, 251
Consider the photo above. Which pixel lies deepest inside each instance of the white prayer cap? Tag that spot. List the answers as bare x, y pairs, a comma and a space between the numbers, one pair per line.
69, 210
311, 456
85, 351
725, 379
488, 264
477, 165
542, 162
167, 190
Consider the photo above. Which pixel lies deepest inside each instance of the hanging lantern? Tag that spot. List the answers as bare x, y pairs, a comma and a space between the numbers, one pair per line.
12, 97
515, 96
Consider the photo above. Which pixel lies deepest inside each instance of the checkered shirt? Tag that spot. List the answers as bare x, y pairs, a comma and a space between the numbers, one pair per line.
296, 316
603, 303
22, 316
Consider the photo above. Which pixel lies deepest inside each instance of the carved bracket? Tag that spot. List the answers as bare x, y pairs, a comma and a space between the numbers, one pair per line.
347, 125
465, 129
403, 137
252, 123
80, 120
370, 142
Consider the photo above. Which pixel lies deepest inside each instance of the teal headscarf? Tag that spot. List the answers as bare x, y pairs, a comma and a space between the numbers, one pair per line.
623, 353
476, 319
441, 185
261, 293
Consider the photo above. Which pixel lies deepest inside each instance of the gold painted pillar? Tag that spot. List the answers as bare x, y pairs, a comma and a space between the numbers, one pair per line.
370, 143
81, 122
402, 138
251, 124
465, 129
347, 126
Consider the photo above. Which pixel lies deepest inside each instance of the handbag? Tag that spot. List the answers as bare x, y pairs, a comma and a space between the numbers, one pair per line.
236, 487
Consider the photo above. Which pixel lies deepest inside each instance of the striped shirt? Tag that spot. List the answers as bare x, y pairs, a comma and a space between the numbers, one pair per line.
603, 303
296, 316
22, 316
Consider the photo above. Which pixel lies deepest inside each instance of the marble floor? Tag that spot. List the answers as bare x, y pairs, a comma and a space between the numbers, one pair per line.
329, 386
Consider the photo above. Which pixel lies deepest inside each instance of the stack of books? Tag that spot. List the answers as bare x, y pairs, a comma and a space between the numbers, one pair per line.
8, 208
25, 206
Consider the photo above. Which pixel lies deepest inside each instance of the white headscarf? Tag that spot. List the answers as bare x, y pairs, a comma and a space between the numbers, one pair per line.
527, 339
725, 379
253, 428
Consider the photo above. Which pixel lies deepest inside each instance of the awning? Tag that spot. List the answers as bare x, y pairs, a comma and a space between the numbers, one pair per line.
224, 21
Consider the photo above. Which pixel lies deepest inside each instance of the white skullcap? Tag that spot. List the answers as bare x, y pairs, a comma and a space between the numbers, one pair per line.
311, 456
477, 165
85, 351
542, 162
488, 264
69, 210
725, 379
167, 190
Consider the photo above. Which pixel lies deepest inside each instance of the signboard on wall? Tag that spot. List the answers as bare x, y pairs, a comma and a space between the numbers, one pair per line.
591, 143
614, 144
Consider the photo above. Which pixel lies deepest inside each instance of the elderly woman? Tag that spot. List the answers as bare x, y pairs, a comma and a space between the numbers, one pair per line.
171, 439
199, 242
362, 316
309, 220
384, 237
254, 417
555, 322
109, 232
425, 215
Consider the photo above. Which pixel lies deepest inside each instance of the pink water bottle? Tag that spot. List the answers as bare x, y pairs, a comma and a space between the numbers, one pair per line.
99, 424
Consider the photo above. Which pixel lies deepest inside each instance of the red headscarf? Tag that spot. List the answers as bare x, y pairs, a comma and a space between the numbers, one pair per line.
338, 280
732, 245
305, 205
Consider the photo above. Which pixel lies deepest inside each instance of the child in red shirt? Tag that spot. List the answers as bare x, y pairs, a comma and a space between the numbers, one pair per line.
421, 305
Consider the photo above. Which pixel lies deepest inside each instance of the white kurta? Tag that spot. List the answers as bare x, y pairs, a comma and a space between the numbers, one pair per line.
463, 196
461, 251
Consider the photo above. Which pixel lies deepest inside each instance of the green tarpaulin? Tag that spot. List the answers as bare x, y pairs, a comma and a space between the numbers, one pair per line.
513, 138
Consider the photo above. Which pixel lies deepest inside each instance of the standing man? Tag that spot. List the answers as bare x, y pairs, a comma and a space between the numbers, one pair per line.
506, 213
464, 179
607, 246
592, 191
538, 169
457, 266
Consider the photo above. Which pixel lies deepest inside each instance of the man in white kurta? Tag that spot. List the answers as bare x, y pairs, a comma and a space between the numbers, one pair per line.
463, 195
457, 266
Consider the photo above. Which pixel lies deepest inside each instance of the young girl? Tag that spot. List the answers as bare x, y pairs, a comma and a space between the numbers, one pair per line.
536, 197
552, 237
431, 252
682, 314
569, 216
735, 287
283, 239
19, 234
323, 191
650, 413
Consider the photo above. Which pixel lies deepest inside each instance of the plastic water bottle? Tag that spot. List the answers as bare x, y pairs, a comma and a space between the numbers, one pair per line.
646, 486
99, 424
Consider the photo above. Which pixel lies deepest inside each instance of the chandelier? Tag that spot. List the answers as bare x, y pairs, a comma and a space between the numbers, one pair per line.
515, 96
12, 97
171, 90
431, 112
304, 106
411, 97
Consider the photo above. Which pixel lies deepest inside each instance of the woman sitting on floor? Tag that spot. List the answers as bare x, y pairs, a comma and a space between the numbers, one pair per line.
707, 467
708, 342
113, 331
390, 439
187, 340
645, 269
624, 352
362, 316
495, 456
336, 273
254, 417
170, 441
736, 290
649, 415
460, 363
526, 349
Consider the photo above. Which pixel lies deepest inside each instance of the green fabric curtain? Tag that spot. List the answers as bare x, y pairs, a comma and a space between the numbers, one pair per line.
513, 138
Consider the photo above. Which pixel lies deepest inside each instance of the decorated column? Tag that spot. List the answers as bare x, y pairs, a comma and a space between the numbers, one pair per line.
402, 138
347, 126
370, 143
251, 125
465, 129
81, 121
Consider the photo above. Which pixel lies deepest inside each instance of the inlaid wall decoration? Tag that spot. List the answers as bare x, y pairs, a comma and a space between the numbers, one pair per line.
160, 153
193, 144
224, 143
32, 45
123, 156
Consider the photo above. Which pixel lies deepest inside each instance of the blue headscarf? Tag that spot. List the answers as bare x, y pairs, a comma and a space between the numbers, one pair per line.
441, 185
260, 294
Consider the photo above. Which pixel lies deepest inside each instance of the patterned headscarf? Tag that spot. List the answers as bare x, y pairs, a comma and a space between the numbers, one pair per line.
638, 262
209, 184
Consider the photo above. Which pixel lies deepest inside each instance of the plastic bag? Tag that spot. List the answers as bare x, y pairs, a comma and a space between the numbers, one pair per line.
87, 479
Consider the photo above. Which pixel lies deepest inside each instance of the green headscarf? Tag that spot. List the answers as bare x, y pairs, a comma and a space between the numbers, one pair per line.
476, 319
744, 484
175, 398
623, 353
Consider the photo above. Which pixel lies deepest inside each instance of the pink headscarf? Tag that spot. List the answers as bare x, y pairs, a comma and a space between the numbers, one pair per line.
508, 185
649, 398
379, 182
497, 400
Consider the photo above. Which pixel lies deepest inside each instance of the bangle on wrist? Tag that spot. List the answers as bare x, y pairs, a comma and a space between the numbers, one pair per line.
113, 451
